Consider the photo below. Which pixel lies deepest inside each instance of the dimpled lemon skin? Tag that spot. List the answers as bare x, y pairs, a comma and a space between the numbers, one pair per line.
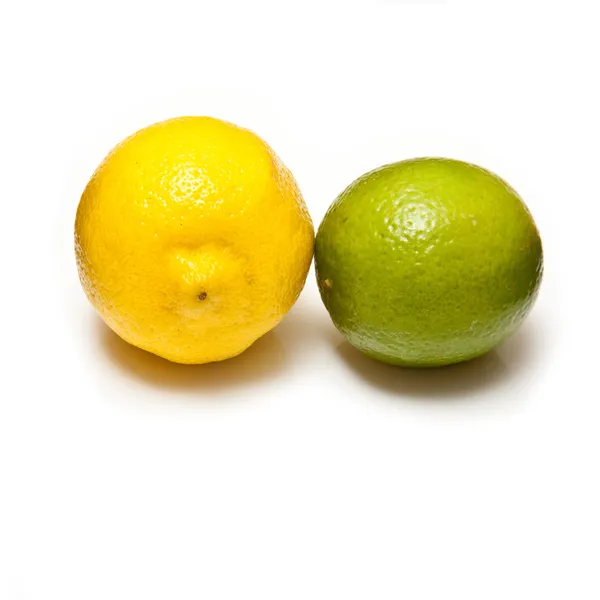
428, 262
192, 239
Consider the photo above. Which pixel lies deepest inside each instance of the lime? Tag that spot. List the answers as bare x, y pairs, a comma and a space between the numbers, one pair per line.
428, 262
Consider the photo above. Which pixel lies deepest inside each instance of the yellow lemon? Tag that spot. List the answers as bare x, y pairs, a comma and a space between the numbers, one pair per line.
192, 239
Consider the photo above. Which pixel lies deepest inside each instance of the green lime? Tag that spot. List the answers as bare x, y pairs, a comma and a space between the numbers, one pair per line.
428, 262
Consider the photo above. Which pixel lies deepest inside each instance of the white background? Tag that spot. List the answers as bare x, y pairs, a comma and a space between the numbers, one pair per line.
300, 469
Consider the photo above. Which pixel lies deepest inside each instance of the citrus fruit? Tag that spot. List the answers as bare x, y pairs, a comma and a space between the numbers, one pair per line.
192, 239
428, 262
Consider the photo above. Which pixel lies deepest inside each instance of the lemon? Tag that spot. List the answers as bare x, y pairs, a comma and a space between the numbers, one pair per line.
428, 262
192, 239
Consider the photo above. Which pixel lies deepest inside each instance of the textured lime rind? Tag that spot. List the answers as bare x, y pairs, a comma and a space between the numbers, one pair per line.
428, 262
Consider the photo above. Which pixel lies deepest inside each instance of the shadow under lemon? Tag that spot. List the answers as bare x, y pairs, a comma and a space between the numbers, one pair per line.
503, 367
264, 359
270, 357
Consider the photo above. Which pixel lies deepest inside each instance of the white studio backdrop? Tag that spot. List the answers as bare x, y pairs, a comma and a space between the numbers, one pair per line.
300, 469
